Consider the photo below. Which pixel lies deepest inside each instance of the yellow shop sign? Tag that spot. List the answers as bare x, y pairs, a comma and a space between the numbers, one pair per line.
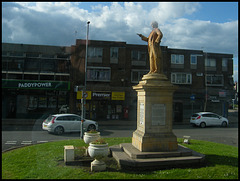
118, 96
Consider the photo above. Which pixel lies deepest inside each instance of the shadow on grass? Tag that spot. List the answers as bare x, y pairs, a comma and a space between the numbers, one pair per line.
112, 166
213, 160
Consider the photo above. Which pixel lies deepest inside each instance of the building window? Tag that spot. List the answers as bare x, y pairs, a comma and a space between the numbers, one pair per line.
99, 74
137, 75
32, 54
210, 62
13, 64
210, 65
32, 65
16, 54
48, 66
95, 52
181, 78
177, 59
114, 55
214, 80
224, 64
138, 57
30, 76
193, 60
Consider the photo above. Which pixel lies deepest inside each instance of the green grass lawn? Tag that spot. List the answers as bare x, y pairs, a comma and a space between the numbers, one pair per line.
42, 161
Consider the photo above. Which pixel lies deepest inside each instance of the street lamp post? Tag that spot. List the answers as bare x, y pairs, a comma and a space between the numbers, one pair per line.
205, 59
85, 83
206, 93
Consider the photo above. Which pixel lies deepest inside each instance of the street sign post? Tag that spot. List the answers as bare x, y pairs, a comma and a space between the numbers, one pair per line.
192, 98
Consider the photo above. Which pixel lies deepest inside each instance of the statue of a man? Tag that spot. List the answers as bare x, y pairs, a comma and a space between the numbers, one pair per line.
154, 50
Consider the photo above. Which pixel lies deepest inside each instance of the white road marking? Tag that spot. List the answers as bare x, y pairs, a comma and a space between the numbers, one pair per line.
26, 142
11, 143
23, 142
42, 141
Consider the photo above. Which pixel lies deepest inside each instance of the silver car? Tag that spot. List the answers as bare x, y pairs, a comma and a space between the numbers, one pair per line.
63, 123
204, 119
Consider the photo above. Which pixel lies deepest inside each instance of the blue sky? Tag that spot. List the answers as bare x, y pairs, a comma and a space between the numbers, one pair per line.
219, 12
208, 26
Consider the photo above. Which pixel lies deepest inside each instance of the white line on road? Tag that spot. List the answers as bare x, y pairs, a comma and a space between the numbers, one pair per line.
42, 141
26, 142
11, 143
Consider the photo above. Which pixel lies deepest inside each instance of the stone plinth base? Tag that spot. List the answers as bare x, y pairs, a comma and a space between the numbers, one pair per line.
129, 157
154, 142
154, 114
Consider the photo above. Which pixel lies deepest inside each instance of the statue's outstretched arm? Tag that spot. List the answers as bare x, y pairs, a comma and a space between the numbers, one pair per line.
144, 38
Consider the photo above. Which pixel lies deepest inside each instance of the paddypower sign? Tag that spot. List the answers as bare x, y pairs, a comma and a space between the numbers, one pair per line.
28, 84
35, 85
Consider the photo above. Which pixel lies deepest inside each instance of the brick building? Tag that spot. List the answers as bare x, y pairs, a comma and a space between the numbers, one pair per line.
204, 79
35, 79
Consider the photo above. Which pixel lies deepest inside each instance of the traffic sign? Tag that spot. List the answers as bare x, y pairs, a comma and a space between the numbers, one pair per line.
192, 97
85, 94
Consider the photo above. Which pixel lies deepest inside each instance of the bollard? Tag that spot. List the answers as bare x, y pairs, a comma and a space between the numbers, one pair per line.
68, 153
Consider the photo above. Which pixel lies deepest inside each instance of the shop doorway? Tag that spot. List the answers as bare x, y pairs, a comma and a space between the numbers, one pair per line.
98, 109
11, 107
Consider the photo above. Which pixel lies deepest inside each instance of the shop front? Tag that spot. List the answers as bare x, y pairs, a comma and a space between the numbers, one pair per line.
103, 105
33, 99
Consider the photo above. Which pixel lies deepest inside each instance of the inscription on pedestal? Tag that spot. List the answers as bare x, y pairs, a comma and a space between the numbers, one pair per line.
141, 113
158, 114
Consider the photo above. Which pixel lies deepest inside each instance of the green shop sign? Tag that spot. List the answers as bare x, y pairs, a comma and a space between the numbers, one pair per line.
29, 84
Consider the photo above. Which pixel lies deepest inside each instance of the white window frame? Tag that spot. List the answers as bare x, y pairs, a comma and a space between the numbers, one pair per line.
139, 55
210, 62
181, 78
192, 57
224, 62
97, 74
140, 73
211, 80
177, 59
114, 50
195, 56
114, 54
95, 52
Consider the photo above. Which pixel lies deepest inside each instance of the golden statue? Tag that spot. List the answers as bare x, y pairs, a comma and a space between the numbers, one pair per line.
154, 50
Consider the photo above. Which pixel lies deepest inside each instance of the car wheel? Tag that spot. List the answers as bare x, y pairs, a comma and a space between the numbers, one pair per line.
91, 127
224, 124
59, 130
203, 125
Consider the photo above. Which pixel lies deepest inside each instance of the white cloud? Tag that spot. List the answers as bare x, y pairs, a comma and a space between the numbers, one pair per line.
190, 34
167, 11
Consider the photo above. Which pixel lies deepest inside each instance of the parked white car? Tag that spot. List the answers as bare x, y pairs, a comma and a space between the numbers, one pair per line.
204, 119
63, 123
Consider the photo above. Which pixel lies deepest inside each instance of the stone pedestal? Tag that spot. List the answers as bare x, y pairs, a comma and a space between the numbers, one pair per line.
154, 114
98, 166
